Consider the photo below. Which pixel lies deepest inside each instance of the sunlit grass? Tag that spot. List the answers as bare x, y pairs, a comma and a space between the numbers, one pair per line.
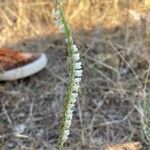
27, 18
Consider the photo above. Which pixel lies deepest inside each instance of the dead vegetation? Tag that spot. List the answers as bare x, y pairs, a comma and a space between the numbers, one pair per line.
126, 146
114, 39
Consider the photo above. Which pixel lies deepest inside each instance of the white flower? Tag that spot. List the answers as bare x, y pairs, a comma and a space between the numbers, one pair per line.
69, 115
58, 22
57, 13
75, 49
74, 95
76, 87
62, 29
78, 65
65, 135
71, 105
73, 100
77, 80
78, 73
68, 124
76, 57
69, 111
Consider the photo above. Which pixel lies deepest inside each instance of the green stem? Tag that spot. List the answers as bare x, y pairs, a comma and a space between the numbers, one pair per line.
68, 33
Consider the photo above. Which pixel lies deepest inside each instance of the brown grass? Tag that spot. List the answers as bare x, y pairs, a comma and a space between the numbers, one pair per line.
115, 53
19, 18
128, 146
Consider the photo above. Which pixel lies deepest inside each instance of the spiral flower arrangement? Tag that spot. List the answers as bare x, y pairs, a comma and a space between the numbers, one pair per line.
75, 75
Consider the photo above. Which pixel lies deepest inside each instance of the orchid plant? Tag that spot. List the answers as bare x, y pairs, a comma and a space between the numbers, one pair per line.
75, 75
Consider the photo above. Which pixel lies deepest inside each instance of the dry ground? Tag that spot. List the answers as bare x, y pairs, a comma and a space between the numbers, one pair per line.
115, 51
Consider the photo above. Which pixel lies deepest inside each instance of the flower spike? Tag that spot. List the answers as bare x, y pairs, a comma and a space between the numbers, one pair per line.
75, 75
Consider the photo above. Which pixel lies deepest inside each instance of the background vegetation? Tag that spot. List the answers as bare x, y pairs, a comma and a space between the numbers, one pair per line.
113, 108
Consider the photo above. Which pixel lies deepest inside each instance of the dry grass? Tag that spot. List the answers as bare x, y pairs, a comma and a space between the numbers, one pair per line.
26, 19
115, 52
128, 146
